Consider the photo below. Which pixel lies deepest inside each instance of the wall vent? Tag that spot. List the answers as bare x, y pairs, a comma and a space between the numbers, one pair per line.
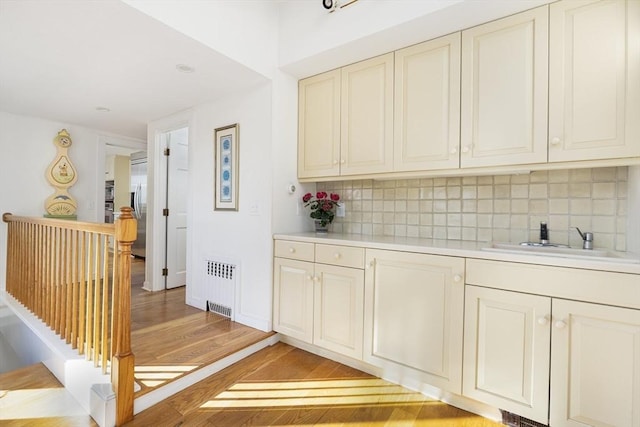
514, 420
220, 284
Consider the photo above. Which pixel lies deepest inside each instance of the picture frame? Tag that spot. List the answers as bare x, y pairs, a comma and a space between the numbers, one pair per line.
226, 160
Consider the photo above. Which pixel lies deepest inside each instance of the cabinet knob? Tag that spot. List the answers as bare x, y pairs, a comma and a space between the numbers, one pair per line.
337, 255
343, 161
466, 148
457, 278
555, 140
454, 150
369, 264
560, 324
335, 162
292, 250
543, 320
309, 277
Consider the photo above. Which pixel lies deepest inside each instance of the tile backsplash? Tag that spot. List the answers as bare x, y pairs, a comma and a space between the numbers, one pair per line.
501, 208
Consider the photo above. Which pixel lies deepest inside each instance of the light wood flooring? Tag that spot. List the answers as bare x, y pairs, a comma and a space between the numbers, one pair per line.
285, 386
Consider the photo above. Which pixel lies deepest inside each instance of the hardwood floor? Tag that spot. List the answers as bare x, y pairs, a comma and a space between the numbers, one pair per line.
285, 386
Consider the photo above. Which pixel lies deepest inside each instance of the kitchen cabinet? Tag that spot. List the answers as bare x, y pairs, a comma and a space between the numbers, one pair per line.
319, 125
507, 343
345, 122
427, 105
504, 91
414, 315
320, 302
366, 127
532, 348
594, 88
595, 365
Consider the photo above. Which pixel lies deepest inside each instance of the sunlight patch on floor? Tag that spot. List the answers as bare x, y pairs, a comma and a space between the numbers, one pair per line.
314, 393
38, 403
154, 376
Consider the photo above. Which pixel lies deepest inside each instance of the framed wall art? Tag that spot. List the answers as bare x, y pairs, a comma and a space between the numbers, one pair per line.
226, 149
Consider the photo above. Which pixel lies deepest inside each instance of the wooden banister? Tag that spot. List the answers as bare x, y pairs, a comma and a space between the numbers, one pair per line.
65, 273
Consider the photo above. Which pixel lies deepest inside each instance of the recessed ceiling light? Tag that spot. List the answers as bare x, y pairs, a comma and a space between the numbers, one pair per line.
103, 109
184, 68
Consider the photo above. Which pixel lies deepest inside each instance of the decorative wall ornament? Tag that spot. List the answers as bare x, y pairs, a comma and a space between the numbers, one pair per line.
61, 175
226, 168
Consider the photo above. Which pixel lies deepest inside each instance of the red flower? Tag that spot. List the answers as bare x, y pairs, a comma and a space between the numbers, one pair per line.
326, 206
321, 195
335, 197
306, 197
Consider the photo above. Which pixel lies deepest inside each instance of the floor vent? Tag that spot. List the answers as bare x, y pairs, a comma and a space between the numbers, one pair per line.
220, 283
513, 420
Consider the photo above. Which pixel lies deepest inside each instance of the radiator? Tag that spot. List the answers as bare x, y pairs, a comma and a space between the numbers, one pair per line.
220, 284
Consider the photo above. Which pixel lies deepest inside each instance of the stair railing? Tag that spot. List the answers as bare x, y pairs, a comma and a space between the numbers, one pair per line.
68, 274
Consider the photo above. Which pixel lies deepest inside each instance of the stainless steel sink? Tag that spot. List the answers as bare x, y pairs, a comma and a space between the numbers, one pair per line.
562, 252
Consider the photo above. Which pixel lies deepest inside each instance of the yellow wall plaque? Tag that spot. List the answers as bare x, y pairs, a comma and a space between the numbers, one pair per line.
61, 175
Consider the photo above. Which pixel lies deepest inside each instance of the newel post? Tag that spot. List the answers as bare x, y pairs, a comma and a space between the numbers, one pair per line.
122, 362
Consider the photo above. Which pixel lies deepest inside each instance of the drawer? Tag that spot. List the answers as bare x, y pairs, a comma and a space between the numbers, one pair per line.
294, 250
345, 256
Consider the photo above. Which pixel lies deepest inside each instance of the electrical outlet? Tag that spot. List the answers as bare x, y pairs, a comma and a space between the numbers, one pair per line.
340, 210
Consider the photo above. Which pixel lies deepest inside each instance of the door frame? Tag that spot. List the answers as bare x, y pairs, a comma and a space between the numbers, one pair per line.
157, 196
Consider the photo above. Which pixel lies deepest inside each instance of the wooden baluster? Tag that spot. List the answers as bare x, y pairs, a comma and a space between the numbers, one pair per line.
105, 306
74, 299
82, 294
122, 366
89, 319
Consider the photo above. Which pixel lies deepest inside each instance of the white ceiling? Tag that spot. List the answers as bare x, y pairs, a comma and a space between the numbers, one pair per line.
61, 59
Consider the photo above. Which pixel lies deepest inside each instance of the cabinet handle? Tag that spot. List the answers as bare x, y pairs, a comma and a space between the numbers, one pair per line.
466, 148
370, 264
454, 150
555, 140
560, 324
457, 278
543, 320
335, 162
292, 250
309, 277
337, 255
316, 279
343, 161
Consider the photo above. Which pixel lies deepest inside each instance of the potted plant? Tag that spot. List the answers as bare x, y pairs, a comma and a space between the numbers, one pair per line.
322, 208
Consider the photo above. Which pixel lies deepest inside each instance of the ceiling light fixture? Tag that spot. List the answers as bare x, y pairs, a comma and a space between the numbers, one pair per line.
103, 109
184, 68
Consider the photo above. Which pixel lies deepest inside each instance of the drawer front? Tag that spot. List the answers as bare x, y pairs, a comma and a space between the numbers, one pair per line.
294, 250
345, 256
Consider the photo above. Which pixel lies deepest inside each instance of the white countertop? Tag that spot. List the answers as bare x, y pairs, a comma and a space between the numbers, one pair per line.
463, 249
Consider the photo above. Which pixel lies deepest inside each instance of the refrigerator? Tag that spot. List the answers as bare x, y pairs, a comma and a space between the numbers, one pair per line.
139, 200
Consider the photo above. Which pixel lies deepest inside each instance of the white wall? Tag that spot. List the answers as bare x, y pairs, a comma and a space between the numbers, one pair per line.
27, 150
633, 210
242, 237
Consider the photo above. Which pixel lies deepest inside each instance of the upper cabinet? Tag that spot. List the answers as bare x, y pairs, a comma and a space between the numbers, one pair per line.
594, 80
427, 105
367, 117
319, 125
558, 83
504, 91
345, 123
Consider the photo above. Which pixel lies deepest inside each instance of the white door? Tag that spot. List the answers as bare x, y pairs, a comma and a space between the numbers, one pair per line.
177, 184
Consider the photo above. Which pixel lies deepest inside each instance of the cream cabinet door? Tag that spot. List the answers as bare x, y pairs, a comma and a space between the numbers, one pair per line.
367, 117
338, 309
506, 350
293, 298
595, 365
594, 80
319, 125
504, 91
427, 105
414, 315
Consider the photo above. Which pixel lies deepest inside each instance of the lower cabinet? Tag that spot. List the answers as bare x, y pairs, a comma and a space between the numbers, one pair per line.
320, 304
555, 361
413, 315
595, 365
506, 358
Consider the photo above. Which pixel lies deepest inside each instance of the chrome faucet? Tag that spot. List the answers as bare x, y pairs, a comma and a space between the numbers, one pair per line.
587, 239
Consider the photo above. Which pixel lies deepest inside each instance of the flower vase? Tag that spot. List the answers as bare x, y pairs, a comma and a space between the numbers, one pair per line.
321, 228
